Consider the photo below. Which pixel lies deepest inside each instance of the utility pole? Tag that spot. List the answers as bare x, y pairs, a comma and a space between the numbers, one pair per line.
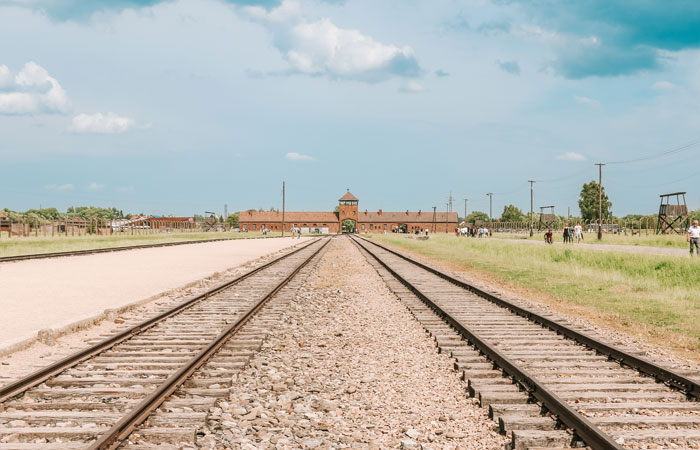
490, 194
532, 182
225, 211
600, 200
282, 208
434, 219
465, 209
450, 200
447, 213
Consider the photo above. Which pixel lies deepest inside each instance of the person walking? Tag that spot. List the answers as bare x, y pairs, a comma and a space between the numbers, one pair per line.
693, 237
566, 234
578, 232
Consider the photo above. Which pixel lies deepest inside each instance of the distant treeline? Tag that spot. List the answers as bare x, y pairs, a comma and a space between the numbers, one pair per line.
84, 212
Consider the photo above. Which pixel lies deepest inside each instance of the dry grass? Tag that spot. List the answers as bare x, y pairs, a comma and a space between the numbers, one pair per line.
654, 297
652, 240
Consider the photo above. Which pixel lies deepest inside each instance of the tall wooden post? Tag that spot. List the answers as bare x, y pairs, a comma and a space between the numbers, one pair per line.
490, 194
283, 207
532, 182
600, 200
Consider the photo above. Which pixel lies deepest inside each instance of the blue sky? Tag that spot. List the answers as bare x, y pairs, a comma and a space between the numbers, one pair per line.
177, 107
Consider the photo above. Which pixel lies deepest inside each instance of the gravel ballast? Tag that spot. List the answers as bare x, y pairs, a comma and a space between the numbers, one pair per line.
349, 367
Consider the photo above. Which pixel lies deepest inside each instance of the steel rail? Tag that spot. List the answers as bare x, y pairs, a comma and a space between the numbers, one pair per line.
114, 249
41, 375
584, 429
669, 377
126, 425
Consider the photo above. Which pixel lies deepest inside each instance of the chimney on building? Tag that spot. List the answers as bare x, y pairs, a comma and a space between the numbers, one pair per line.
419, 211
380, 212
406, 212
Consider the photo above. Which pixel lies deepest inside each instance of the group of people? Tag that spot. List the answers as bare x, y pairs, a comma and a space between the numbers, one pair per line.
480, 232
572, 232
296, 232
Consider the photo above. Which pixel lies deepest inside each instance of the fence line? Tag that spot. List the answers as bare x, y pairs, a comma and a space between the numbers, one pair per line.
11, 228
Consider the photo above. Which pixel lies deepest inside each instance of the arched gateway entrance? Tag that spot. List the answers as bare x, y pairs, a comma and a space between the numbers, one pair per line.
347, 213
349, 226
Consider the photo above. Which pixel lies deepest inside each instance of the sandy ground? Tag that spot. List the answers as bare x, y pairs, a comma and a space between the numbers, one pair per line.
50, 293
643, 249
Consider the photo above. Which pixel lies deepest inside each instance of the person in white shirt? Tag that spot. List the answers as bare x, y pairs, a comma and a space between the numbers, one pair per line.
578, 232
693, 237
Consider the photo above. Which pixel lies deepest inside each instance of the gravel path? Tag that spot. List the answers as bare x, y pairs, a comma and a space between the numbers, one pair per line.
350, 368
643, 249
50, 293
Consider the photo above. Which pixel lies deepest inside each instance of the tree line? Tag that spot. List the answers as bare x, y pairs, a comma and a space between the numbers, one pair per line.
72, 212
588, 204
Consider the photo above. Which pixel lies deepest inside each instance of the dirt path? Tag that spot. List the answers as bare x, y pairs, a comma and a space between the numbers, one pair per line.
51, 293
642, 249
350, 368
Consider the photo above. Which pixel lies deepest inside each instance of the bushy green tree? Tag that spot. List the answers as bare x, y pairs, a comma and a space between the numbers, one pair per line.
588, 202
477, 215
233, 220
512, 213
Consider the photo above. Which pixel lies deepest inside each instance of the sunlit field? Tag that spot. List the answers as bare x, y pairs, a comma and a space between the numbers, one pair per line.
652, 240
653, 296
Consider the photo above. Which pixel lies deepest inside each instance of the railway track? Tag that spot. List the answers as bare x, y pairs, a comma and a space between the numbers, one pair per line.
109, 249
545, 382
155, 382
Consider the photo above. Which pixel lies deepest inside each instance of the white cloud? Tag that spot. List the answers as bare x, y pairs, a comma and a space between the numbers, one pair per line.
586, 101
663, 86
60, 187
294, 156
571, 156
96, 186
412, 87
109, 123
322, 48
31, 91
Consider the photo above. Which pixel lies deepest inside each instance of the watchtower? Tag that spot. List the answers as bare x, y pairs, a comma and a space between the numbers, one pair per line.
673, 217
548, 221
347, 209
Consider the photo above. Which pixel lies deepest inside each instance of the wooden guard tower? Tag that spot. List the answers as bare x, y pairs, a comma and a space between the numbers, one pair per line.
673, 218
548, 221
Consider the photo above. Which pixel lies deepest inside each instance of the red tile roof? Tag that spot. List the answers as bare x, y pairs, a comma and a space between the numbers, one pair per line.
347, 196
289, 217
363, 217
406, 217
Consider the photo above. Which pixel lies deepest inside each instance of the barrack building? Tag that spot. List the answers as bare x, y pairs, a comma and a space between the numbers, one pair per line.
349, 218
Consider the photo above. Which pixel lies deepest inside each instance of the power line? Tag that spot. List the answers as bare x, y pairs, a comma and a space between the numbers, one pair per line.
521, 188
695, 142
563, 178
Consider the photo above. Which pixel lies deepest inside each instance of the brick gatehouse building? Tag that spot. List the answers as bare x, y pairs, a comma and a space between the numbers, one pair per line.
349, 218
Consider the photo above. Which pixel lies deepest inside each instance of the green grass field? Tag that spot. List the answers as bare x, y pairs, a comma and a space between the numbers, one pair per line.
30, 245
652, 240
652, 296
